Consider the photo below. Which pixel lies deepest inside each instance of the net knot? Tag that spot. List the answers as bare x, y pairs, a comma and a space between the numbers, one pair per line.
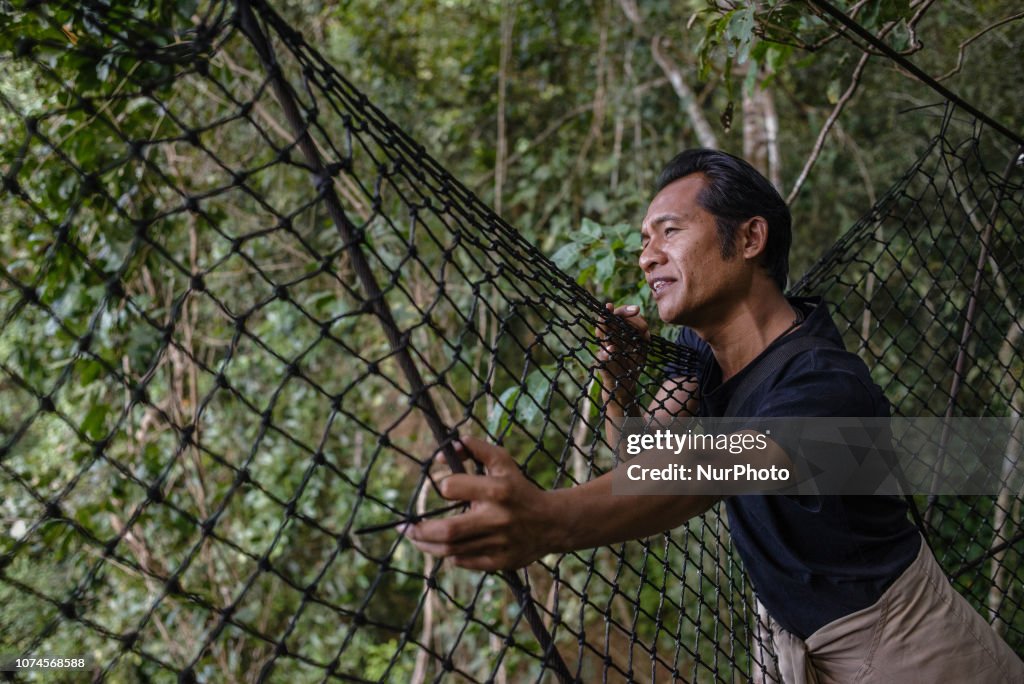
12, 186
154, 493
114, 288
68, 610
128, 640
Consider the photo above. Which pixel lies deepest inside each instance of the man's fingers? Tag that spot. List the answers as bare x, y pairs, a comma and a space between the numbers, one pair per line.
602, 328
465, 487
492, 561
471, 535
454, 530
627, 310
632, 315
461, 486
470, 549
494, 458
460, 452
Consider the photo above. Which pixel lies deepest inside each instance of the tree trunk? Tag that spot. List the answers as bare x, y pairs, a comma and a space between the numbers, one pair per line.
761, 132
701, 127
501, 154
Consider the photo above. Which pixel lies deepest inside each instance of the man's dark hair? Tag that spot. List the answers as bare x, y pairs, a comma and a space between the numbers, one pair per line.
735, 192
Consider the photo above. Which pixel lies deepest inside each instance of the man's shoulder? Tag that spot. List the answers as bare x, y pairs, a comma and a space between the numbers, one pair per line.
817, 375
821, 380
824, 378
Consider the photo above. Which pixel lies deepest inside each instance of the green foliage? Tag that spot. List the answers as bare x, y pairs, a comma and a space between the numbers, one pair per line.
604, 259
379, 666
588, 120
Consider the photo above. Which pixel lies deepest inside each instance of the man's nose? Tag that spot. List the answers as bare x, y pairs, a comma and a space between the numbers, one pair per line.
650, 256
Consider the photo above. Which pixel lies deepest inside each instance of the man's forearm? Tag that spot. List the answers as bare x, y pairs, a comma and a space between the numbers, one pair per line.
511, 522
676, 400
589, 515
615, 409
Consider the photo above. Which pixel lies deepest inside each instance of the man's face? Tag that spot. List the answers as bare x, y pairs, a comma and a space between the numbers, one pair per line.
682, 257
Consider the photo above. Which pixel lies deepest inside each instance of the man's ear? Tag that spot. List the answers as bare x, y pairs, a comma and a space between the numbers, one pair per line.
753, 237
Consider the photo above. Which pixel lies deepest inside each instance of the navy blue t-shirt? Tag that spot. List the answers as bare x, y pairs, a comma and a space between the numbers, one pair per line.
812, 559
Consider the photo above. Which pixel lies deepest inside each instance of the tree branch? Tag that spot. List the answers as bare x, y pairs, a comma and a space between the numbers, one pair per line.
829, 122
963, 46
705, 134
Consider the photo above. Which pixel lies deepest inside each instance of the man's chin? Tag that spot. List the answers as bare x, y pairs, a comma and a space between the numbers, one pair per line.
670, 314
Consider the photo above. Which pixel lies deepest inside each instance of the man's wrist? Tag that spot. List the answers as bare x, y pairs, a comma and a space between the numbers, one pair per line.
622, 398
559, 510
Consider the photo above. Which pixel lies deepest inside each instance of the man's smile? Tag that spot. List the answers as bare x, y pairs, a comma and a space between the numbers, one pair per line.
659, 285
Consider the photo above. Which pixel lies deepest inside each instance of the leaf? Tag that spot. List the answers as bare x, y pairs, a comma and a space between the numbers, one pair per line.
88, 371
596, 201
321, 301
776, 57
883, 11
498, 418
94, 422
740, 27
605, 268
589, 232
567, 255
538, 386
832, 93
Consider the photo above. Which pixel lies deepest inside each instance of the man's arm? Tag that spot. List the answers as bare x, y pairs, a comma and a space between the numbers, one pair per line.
511, 522
618, 371
675, 398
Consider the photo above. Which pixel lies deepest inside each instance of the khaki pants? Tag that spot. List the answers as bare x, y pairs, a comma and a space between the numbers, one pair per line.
920, 630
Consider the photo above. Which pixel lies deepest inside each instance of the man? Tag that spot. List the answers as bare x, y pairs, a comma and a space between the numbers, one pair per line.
853, 593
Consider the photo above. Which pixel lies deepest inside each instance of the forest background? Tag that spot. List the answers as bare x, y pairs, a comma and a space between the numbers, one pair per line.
557, 114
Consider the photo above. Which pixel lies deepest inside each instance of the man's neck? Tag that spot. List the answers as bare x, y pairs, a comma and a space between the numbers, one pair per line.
739, 337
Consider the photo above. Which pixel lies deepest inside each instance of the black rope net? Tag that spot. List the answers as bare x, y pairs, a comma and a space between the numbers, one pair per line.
928, 287
238, 315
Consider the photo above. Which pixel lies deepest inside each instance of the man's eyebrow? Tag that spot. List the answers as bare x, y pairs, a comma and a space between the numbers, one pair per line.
664, 218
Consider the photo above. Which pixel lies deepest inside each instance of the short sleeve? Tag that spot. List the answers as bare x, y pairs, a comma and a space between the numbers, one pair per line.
818, 384
687, 338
